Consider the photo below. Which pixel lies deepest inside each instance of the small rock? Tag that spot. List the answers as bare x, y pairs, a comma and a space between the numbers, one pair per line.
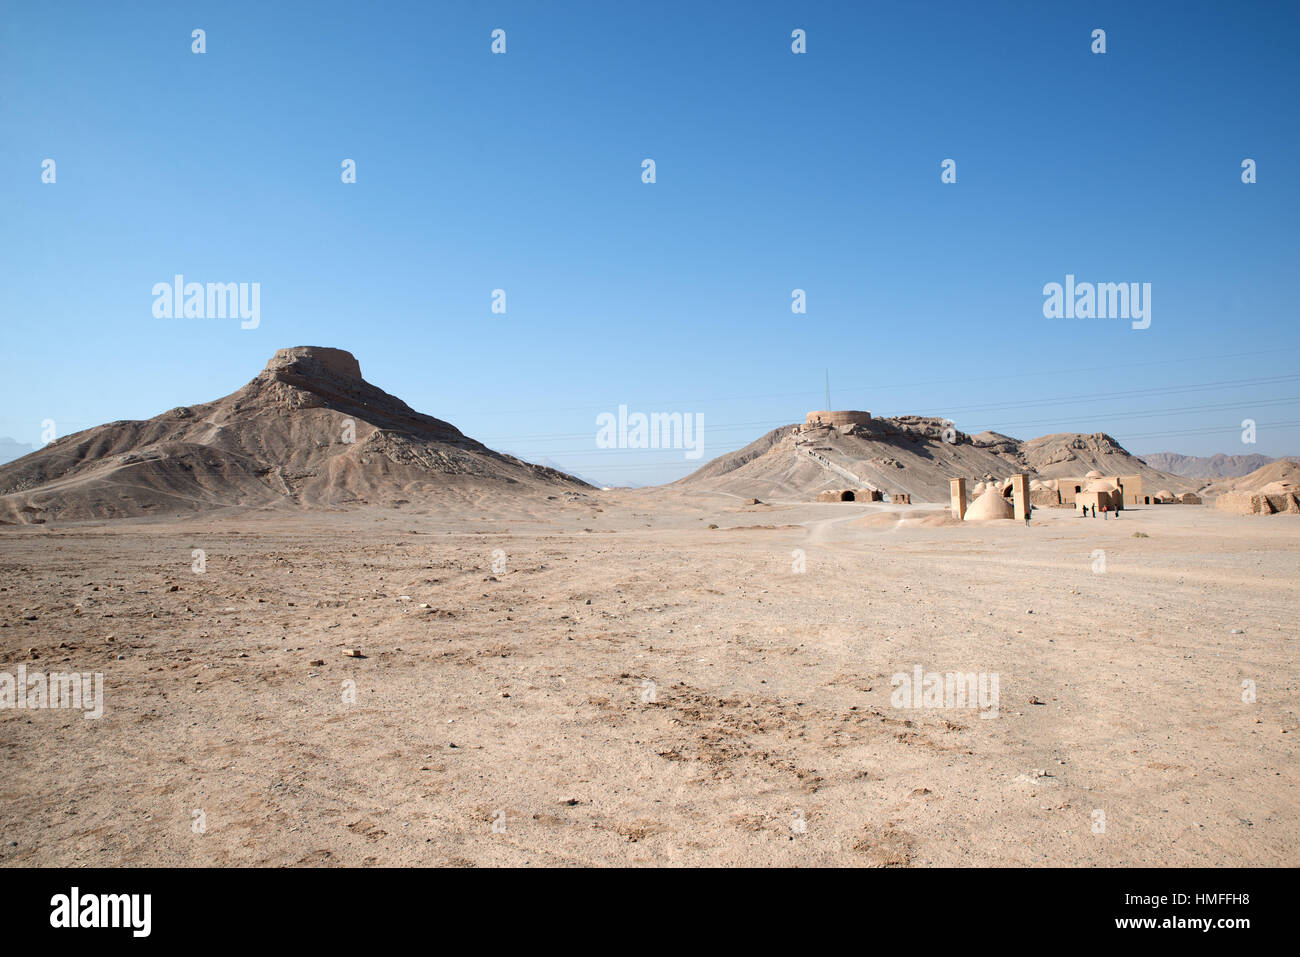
318, 662
352, 653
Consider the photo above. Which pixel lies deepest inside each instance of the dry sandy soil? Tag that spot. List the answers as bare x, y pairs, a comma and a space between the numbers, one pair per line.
521, 696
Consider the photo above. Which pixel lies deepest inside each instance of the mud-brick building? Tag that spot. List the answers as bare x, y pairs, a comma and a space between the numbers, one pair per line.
838, 419
1067, 488
1099, 495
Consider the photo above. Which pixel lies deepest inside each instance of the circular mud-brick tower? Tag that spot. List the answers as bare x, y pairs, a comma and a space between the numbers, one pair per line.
838, 418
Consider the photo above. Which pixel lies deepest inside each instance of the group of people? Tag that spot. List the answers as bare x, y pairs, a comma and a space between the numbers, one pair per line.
1105, 511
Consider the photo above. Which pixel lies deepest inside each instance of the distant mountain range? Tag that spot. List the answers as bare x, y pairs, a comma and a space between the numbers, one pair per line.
11, 449
560, 467
1206, 466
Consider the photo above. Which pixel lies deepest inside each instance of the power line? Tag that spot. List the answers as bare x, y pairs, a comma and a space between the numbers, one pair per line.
1258, 404
1218, 357
1035, 403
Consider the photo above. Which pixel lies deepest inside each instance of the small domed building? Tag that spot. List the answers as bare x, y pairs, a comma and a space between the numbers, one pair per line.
990, 506
1099, 494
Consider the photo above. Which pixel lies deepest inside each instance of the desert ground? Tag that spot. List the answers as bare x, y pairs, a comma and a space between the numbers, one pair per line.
635, 687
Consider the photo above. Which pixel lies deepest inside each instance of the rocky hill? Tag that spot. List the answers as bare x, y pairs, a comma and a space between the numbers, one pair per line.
1277, 475
913, 454
307, 432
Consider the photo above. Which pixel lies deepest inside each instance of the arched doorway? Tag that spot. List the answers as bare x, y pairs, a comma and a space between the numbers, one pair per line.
847, 496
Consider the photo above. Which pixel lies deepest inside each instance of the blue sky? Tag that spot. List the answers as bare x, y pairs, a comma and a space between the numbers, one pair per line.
775, 171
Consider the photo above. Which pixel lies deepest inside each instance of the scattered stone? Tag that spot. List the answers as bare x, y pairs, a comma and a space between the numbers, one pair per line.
352, 653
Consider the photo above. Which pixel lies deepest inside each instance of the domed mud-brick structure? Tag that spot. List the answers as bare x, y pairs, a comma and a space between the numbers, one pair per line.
989, 506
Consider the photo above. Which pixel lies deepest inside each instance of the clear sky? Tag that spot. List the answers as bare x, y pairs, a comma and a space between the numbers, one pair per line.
775, 171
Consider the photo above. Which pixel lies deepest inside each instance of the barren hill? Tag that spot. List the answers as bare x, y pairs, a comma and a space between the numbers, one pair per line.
307, 432
913, 454
1272, 477
1206, 466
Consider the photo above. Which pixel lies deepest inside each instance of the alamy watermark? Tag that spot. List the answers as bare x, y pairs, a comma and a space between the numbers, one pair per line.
658, 430
1103, 300
37, 691
75, 909
179, 299
955, 689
